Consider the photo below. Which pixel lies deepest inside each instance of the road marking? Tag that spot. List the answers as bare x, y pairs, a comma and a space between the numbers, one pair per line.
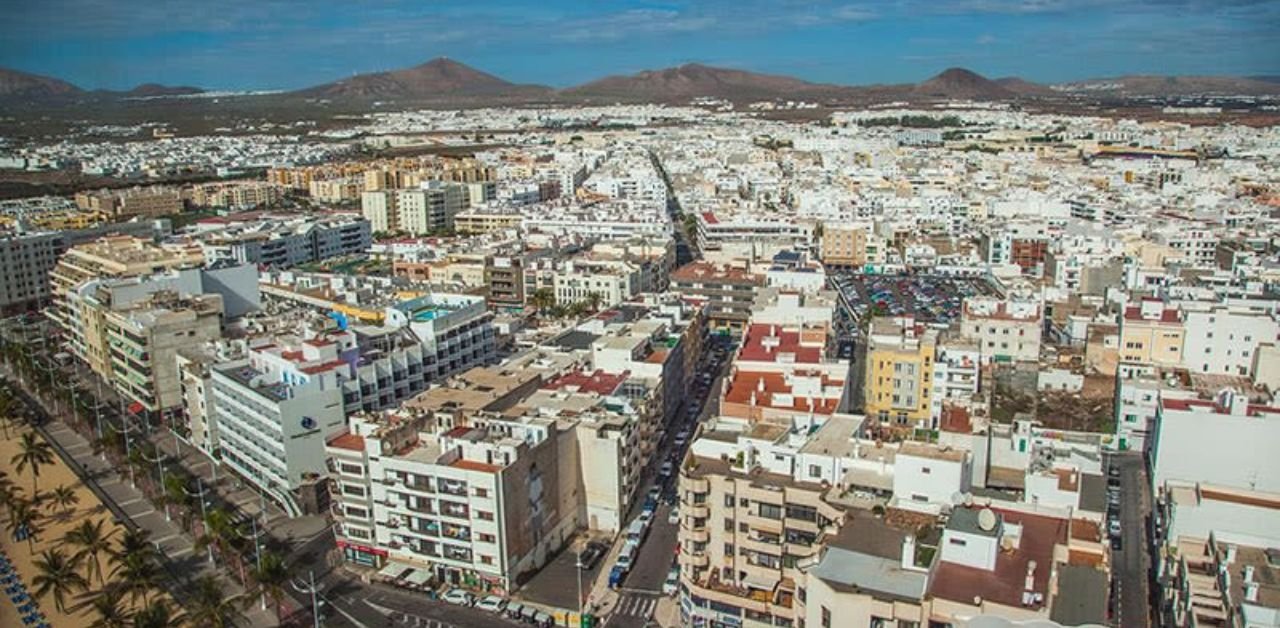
129, 502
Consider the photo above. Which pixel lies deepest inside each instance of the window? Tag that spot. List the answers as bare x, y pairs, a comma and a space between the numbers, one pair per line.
484, 515
728, 525
957, 542
926, 470
728, 501
728, 549
353, 469
815, 471
482, 492
353, 490
826, 617
352, 511
770, 511
487, 538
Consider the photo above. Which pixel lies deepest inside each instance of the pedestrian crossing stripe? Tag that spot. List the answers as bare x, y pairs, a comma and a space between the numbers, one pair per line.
635, 606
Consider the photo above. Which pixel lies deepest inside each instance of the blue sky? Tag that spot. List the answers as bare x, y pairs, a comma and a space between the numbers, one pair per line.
242, 44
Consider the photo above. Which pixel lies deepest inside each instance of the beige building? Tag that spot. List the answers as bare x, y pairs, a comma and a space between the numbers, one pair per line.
144, 340
1006, 331
475, 222
142, 201
845, 245
1151, 333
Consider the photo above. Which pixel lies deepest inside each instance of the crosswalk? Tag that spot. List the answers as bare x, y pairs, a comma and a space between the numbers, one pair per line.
636, 605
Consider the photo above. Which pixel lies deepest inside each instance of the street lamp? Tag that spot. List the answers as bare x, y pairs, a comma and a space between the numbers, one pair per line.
310, 587
204, 516
257, 550
159, 460
128, 443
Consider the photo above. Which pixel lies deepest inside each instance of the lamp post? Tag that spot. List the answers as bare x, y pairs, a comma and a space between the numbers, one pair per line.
310, 587
159, 460
128, 442
204, 516
257, 550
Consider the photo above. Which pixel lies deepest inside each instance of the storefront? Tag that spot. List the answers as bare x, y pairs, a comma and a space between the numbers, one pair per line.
363, 554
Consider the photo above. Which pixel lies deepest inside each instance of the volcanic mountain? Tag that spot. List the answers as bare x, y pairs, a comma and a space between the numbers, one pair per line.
21, 85
1173, 86
962, 84
695, 80
439, 78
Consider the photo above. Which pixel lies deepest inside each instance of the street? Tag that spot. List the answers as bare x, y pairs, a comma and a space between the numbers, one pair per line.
1132, 563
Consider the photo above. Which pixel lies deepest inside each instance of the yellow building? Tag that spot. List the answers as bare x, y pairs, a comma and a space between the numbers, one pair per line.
470, 223
1151, 333
112, 257
899, 372
844, 245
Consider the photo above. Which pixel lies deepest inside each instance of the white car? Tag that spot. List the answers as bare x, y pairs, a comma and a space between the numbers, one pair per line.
674, 517
459, 597
672, 584
491, 603
666, 470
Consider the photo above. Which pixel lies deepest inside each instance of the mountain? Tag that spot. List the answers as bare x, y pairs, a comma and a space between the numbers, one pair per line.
695, 80
21, 85
1172, 86
439, 78
153, 90
959, 83
1024, 87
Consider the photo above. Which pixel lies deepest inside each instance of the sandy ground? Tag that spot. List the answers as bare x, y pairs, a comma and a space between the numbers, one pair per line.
54, 526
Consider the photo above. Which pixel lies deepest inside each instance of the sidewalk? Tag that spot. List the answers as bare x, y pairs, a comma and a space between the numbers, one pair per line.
177, 548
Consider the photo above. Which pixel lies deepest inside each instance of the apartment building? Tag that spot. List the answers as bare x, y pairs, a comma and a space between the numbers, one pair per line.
273, 416
480, 221
504, 280
427, 209
476, 501
340, 190
1005, 330
1224, 441
143, 341
236, 196
847, 246
282, 241
142, 201
728, 293
118, 256
1152, 333
899, 366
26, 259
605, 282
1222, 338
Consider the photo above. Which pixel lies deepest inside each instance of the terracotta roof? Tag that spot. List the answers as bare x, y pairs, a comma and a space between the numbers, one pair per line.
955, 419
350, 441
710, 218
748, 384
472, 465
320, 368
764, 343
1134, 313
598, 382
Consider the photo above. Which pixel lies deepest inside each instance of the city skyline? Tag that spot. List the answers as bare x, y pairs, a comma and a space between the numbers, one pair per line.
271, 45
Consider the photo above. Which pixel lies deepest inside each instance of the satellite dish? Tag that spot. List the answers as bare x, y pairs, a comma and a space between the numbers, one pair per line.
987, 519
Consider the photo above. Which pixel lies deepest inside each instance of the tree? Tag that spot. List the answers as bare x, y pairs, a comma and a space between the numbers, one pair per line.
543, 298
272, 578
138, 574
33, 452
594, 300
64, 497
58, 574
109, 610
133, 542
211, 606
91, 542
24, 518
218, 531
158, 614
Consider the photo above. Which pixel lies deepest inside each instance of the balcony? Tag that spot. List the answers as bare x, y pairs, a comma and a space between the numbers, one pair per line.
696, 535
458, 489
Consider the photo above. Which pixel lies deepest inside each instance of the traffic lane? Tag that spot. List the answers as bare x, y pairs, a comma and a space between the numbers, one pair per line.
1131, 586
368, 604
656, 554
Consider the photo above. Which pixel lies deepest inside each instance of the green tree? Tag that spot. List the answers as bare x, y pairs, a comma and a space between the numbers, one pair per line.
59, 575
33, 453
64, 497
543, 298
109, 610
91, 540
212, 607
138, 574
158, 614
24, 517
272, 578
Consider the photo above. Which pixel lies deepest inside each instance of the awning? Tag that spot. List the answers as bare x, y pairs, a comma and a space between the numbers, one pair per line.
390, 571
417, 577
866, 478
761, 582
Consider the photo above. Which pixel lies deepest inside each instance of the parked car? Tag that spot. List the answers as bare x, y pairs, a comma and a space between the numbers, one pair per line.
514, 609
459, 597
591, 555
667, 468
1115, 544
646, 517
492, 603
673, 517
681, 438
672, 583
616, 576
1113, 527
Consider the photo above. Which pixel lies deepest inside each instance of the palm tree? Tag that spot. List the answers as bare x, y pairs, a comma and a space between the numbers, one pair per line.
138, 575
109, 609
7, 489
92, 541
272, 577
594, 300
218, 531
158, 614
211, 606
57, 574
24, 517
134, 542
35, 453
543, 298
64, 497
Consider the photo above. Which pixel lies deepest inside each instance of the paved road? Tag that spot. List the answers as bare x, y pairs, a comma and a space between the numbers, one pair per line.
634, 610
1132, 565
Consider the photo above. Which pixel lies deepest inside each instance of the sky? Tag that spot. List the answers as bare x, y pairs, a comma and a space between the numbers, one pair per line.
287, 44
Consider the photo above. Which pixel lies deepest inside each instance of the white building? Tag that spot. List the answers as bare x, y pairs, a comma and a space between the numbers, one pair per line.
1226, 441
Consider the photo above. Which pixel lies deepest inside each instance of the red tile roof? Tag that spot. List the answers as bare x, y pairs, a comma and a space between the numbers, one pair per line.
779, 340
710, 218
320, 368
1134, 313
955, 419
350, 441
472, 465
599, 382
746, 384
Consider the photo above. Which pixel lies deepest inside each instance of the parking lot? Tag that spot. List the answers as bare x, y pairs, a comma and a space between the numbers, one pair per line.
929, 298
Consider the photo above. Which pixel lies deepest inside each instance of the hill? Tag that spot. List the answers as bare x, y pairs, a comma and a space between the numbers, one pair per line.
695, 80
962, 84
1172, 86
439, 78
152, 90
21, 85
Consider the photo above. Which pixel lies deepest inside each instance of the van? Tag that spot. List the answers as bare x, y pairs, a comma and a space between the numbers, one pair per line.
635, 532
627, 556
